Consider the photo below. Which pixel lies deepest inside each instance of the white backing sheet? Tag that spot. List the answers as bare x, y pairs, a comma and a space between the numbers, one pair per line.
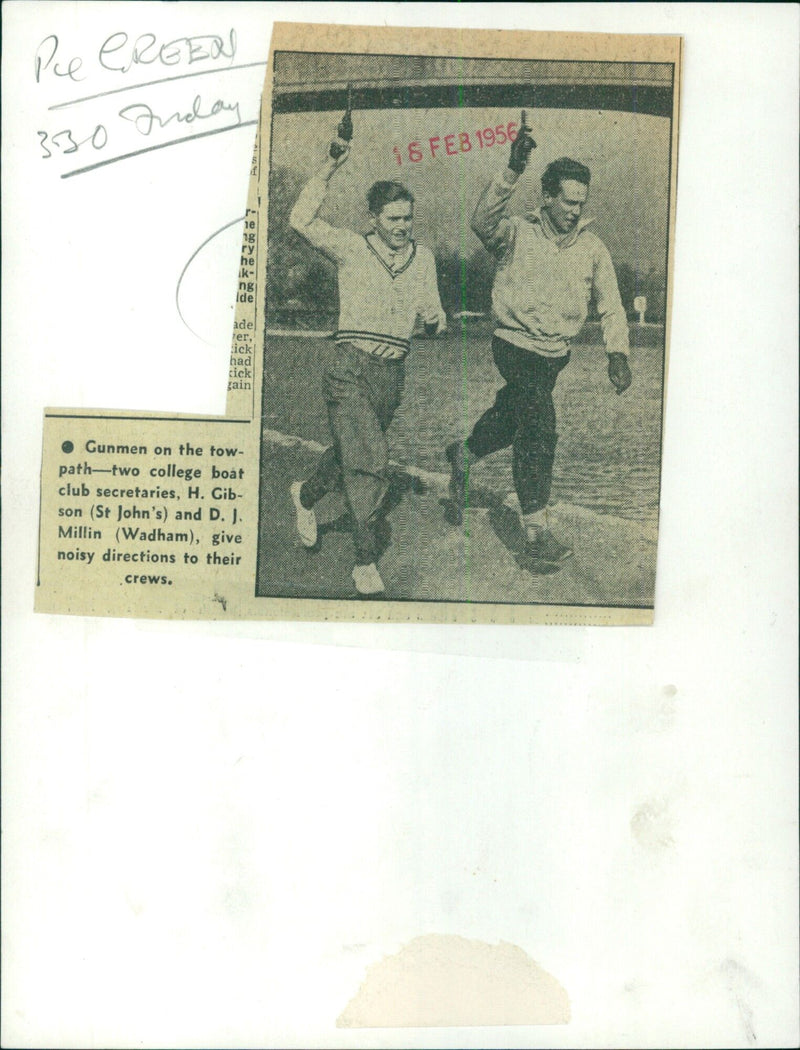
211, 831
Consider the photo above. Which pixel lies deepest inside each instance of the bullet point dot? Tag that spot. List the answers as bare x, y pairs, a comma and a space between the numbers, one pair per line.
67, 446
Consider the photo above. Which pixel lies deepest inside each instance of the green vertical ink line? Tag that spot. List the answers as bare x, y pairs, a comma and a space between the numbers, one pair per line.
464, 387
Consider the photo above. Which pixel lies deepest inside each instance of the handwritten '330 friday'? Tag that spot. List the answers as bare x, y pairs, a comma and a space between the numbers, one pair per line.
117, 55
458, 142
143, 118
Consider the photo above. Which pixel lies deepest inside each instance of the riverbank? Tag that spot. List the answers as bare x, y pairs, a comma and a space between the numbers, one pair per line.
428, 559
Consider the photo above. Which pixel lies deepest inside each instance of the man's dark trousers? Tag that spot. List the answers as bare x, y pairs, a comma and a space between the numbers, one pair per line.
524, 417
362, 393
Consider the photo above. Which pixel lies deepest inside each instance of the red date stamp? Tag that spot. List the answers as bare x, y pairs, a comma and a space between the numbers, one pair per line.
456, 143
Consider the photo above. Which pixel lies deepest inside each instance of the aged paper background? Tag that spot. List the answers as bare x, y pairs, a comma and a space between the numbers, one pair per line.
212, 831
180, 516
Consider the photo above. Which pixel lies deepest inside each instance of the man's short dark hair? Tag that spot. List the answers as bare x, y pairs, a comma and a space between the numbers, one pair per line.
561, 169
383, 193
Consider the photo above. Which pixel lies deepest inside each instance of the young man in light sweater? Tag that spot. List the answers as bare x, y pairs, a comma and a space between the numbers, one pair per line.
548, 267
386, 282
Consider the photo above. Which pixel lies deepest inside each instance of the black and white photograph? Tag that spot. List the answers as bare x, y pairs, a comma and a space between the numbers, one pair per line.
466, 312
400, 520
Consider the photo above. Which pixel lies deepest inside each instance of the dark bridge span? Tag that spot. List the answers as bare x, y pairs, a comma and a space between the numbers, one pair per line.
419, 82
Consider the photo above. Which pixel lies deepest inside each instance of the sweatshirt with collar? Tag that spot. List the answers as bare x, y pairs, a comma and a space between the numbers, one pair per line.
544, 281
381, 293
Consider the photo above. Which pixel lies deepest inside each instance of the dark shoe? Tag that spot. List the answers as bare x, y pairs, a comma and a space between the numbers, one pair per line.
305, 518
456, 455
547, 548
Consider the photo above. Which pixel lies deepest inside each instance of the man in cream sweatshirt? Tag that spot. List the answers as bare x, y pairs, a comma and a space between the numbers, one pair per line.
386, 282
548, 267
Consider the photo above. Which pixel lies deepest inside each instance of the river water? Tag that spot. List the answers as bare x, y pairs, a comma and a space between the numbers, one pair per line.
608, 455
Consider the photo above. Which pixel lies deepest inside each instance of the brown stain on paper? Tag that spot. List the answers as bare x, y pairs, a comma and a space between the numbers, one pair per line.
440, 980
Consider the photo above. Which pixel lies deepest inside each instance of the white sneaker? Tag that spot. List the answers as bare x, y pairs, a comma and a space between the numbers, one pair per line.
367, 579
306, 519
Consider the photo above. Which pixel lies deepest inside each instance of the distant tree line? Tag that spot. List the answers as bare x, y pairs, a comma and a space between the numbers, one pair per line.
651, 283
301, 282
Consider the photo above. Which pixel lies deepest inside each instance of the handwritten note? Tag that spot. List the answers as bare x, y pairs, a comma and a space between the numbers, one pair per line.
133, 129
127, 117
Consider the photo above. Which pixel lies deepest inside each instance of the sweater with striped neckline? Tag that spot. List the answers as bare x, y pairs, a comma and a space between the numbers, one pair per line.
382, 294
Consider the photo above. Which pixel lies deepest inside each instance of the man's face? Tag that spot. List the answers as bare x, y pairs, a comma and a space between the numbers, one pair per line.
565, 209
394, 223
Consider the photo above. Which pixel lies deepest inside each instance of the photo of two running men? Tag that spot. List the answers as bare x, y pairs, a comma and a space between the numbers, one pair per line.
466, 306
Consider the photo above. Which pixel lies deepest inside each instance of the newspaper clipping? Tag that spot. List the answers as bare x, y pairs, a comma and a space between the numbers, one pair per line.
447, 375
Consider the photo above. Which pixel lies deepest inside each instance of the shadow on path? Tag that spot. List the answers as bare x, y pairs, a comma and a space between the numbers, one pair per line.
401, 484
425, 558
505, 524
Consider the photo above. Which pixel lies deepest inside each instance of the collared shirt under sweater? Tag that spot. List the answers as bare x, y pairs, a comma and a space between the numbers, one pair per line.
381, 293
